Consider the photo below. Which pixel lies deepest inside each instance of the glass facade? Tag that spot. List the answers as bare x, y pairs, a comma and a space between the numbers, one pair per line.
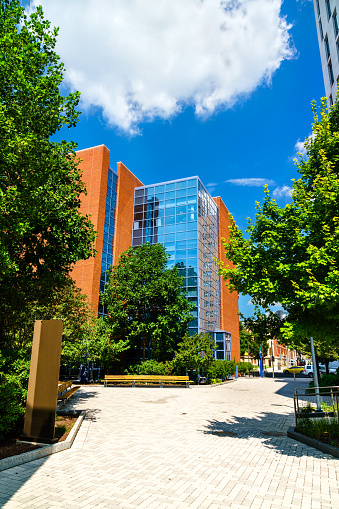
108, 241
182, 216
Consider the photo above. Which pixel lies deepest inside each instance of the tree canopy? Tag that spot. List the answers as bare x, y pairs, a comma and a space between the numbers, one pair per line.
146, 303
195, 353
291, 253
42, 232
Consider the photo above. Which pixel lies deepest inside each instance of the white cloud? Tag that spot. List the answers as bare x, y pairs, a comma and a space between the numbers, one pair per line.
300, 147
251, 182
141, 59
284, 191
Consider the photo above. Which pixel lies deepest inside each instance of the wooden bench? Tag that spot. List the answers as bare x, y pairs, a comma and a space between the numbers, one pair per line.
65, 390
147, 379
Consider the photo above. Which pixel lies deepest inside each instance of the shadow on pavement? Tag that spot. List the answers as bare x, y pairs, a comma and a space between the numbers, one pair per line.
269, 427
14, 478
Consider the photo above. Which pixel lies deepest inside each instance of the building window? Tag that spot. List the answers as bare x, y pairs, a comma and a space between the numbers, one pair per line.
321, 29
318, 7
335, 23
327, 47
330, 73
328, 9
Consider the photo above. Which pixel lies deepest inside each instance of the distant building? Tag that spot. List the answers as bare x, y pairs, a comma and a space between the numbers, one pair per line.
326, 15
183, 217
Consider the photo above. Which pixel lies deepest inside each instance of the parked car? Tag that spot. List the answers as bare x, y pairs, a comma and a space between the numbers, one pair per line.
332, 367
294, 369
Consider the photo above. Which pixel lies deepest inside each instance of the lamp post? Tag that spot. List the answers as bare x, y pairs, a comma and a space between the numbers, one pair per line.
315, 377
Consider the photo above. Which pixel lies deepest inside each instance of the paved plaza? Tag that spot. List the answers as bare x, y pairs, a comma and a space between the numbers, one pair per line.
159, 448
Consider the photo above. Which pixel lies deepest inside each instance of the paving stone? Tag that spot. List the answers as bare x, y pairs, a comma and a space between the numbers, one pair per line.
136, 449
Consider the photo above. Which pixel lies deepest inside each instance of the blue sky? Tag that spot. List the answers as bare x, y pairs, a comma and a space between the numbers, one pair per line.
232, 127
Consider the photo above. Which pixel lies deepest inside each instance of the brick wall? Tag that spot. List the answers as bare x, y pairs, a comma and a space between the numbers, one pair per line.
94, 165
124, 211
229, 301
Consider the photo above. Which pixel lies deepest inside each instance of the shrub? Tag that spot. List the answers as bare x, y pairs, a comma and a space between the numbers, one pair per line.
221, 369
151, 367
13, 392
327, 380
244, 367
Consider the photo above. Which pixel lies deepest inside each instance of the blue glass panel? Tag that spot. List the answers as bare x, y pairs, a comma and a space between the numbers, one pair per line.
192, 271
182, 193
181, 244
182, 218
181, 201
192, 253
181, 253
192, 208
160, 238
170, 264
181, 235
192, 234
181, 227
170, 187
169, 245
192, 182
181, 210
192, 225
192, 281
170, 228
161, 230
159, 189
170, 211
191, 199
170, 220
192, 216
182, 184
169, 238
192, 243
171, 254
159, 196
170, 203
170, 195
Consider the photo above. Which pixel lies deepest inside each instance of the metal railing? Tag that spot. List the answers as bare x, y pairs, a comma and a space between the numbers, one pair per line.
307, 402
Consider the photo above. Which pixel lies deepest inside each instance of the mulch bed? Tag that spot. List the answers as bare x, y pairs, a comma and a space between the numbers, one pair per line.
9, 447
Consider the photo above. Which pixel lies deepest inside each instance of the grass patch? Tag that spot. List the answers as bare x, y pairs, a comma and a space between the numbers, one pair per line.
323, 429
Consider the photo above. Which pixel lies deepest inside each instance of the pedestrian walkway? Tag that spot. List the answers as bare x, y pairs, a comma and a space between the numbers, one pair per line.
204, 447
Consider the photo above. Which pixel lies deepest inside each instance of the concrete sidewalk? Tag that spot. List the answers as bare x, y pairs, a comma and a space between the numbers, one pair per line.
203, 447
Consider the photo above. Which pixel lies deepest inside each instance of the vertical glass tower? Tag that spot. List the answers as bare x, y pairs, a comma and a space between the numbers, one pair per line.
108, 240
182, 216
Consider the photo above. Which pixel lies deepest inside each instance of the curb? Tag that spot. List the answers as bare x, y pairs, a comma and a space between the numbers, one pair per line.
313, 442
20, 459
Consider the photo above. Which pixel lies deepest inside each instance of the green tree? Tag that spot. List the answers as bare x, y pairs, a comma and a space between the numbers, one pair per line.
42, 232
146, 304
195, 353
291, 255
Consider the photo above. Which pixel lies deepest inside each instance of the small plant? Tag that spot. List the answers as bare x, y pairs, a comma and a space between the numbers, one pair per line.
307, 409
325, 407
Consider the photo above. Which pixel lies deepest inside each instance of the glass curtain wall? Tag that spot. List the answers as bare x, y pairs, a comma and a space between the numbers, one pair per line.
108, 241
167, 213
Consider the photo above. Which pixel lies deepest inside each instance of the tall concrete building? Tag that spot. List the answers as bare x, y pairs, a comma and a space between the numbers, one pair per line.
179, 214
326, 15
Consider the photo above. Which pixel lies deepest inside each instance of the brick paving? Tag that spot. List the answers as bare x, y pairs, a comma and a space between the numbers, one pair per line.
202, 447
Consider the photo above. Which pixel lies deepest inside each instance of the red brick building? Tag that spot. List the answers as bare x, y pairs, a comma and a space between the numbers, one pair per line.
179, 214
